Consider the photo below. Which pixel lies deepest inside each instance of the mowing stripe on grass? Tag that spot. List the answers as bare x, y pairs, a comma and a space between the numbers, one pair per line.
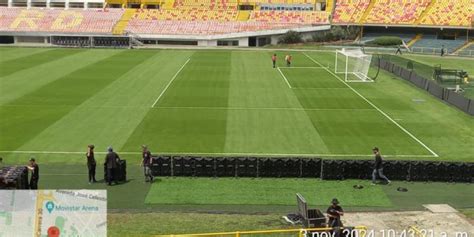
258, 108
378, 109
35, 60
169, 83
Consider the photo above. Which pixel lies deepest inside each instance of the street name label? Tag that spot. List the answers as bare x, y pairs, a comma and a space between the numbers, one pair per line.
53, 213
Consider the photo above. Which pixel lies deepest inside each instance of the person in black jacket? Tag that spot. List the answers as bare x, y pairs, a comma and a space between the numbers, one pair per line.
91, 164
111, 163
34, 168
378, 167
334, 214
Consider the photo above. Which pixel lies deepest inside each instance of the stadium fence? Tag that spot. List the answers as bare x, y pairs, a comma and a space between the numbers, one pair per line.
306, 167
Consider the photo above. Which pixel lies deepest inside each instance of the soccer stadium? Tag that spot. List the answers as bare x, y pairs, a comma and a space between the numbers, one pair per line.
286, 118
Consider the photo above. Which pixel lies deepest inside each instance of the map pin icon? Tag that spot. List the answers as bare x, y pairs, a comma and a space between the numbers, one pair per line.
49, 206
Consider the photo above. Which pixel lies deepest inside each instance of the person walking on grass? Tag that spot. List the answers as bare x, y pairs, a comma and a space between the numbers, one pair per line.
399, 50
146, 163
274, 60
91, 163
378, 167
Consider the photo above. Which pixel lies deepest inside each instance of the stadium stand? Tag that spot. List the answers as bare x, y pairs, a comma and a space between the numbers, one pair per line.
396, 12
349, 11
300, 17
430, 42
58, 20
449, 13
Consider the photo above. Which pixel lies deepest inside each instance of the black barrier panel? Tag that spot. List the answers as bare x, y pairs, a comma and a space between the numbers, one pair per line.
267, 167
458, 100
396, 170
396, 69
332, 169
389, 67
246, 167
14, 177
205, 167
418, 171
406, 74
291, 167
383, 64
435, 89
471, 107
420, 82
120, 174
183, 166
359, 169
311, 167
225, 167
161, 166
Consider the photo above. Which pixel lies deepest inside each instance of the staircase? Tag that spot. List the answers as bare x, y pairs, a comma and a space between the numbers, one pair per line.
367, 11
425, 12
414, 40
464, 46
135, 39
122, 24
243, 15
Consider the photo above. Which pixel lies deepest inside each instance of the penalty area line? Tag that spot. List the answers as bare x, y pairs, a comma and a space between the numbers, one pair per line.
221, 153
377, 108
283, 75
169, 83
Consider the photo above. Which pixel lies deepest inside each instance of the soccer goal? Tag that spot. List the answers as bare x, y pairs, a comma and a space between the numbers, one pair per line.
354, 64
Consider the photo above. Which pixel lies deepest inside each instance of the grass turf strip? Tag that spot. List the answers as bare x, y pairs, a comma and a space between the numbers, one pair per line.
231, 191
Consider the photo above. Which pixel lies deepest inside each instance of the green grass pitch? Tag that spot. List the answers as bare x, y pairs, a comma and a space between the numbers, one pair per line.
54, 102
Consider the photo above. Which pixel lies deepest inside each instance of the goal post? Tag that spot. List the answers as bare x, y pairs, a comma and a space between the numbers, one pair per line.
354, 64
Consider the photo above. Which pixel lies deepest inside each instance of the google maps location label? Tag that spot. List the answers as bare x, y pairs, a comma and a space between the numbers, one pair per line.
53, 231
49, 206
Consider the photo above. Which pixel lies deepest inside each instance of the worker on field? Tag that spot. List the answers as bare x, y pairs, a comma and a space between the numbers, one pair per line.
111, 165
442, 50
34, 168
91, 164
334, 214
288, 60
378, 167
146, 163
274, 59
399, 50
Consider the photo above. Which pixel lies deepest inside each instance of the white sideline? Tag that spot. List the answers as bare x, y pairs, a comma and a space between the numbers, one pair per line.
299, 67
258, 108
284, 77
217, 153
375, 107
169, 83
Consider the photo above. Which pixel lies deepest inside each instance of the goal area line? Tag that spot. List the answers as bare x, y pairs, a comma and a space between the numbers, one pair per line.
256, 154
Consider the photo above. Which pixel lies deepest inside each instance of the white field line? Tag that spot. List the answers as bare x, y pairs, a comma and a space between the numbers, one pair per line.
218, 153
299, 67
378, 109
257, 108
169, 83
288, 83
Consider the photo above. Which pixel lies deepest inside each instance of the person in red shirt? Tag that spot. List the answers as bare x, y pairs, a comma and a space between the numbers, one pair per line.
274, 59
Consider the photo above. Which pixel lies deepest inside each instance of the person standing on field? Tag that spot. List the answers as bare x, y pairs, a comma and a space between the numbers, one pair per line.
111, 163
378, 167
34, 168
288, 60
274, 59
399, 50
146, 163
91, 164
334, 214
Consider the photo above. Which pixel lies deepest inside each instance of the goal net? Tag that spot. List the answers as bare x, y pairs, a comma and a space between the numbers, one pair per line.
354, 64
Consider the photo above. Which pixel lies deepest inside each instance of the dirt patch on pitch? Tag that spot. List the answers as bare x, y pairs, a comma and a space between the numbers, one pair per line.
432, 224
